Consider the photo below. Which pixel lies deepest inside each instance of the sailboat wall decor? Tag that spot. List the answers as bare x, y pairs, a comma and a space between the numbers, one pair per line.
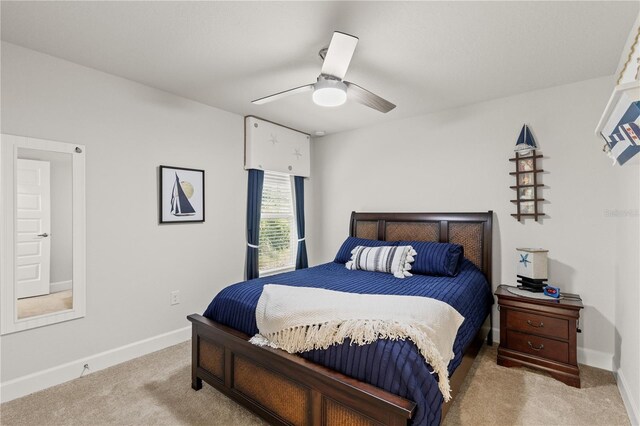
181, 195
525, 143
180, 205
528, 183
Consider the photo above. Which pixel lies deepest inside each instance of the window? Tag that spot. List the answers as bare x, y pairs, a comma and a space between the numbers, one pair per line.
278, 238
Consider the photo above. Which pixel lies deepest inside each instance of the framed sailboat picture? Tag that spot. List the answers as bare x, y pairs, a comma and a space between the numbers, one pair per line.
181, 195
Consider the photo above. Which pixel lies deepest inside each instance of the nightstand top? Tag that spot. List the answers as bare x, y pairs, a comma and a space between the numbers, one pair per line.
572, 301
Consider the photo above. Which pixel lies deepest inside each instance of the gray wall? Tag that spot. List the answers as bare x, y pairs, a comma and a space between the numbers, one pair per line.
132, 262
457, 160
627, 261
626, 279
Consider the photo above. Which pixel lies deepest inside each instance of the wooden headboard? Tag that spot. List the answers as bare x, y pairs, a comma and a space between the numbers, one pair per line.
470, 230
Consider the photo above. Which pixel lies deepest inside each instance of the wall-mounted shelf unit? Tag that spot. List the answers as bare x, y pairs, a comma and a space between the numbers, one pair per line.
527, 184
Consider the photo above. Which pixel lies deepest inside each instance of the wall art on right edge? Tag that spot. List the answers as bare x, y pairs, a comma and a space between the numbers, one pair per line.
527, 199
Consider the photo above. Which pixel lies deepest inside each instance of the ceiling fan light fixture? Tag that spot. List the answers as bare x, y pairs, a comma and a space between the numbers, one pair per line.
330, 93
331, 90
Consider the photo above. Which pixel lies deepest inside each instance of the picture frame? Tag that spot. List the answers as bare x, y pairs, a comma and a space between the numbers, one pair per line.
526, 193
525, 165
181, 193
527, 207
525, 179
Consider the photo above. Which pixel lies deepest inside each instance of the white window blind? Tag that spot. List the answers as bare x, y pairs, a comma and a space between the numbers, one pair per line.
278, 241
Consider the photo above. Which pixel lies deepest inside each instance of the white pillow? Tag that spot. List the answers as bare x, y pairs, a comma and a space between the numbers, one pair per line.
394, 260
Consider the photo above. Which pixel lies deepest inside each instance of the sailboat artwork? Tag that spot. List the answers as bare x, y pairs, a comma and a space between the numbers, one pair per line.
180, 205
181, 195
525, 143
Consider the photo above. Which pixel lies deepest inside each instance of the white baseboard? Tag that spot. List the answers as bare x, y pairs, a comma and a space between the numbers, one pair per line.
496, 335
596, 359
632, 408
590, 357
40, 380
60, 286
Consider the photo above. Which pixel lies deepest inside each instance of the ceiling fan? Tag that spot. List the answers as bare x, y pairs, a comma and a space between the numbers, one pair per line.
331, 89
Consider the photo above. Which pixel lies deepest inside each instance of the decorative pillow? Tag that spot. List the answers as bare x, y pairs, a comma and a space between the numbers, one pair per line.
394, 260
436, 258
344, 254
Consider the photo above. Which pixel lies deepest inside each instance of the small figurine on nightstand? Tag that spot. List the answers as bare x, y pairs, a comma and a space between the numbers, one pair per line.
551, 291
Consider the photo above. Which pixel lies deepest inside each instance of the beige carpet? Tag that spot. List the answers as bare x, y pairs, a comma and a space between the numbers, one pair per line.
49, 303
494, 395
156, 390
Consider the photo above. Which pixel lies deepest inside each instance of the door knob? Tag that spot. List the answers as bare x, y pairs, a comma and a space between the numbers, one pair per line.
45, 235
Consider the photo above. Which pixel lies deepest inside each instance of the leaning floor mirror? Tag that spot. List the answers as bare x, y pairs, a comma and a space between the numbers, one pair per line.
42, 232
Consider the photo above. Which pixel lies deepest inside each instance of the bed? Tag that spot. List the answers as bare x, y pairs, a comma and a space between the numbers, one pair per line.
381, 383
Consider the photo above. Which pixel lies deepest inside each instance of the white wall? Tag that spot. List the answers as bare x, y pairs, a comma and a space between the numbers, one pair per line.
61, 221
457, 160
626, 217
132, 262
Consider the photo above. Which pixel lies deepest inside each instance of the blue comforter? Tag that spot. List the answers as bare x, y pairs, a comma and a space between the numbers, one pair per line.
395, 366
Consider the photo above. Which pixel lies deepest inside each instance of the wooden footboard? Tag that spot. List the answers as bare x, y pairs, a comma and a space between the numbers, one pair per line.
285, 389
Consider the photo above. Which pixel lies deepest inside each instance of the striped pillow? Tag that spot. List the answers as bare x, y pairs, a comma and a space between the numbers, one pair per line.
394, 260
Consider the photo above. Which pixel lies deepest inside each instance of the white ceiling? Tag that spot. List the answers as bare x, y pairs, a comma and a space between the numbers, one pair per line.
423, 56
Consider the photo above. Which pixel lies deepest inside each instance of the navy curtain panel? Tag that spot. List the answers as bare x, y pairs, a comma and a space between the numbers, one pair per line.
301, 258
254, 204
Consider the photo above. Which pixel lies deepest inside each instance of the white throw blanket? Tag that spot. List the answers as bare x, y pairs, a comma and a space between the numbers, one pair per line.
298, 319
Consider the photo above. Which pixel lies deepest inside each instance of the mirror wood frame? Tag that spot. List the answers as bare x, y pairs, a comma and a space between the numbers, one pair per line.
9, 322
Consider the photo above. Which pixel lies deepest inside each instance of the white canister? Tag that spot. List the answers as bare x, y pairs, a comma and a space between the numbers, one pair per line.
532, 263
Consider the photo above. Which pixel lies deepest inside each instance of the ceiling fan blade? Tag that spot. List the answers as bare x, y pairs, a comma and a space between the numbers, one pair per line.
339, 55
280, 95
367, 98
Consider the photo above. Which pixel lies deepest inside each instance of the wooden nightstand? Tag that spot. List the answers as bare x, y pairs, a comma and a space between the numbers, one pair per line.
540, 334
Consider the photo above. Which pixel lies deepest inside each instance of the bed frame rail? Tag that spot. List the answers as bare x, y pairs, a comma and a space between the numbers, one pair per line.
285, 389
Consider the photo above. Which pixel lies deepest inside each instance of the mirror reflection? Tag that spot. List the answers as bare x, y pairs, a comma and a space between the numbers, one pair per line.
44, 244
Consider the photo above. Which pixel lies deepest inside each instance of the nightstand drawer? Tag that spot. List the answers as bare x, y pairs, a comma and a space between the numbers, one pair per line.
538, 346
537, 324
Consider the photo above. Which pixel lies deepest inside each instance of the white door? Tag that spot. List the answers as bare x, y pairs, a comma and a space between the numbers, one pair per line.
33, 225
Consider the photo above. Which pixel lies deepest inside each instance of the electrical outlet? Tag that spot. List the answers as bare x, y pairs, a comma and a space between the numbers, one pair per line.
174, 297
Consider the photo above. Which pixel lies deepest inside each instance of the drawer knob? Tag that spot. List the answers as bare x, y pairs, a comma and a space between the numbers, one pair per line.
534, 348
536, 326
